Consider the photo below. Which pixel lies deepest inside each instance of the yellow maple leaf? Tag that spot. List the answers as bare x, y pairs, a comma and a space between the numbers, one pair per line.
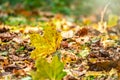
45, 44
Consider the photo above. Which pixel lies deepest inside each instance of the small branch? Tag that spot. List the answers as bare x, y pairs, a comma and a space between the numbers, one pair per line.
103, 12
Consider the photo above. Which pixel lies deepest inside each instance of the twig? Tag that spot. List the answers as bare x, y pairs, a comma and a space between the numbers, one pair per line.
103, 12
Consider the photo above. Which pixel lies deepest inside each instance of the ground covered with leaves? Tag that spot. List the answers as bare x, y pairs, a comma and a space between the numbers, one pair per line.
54, 47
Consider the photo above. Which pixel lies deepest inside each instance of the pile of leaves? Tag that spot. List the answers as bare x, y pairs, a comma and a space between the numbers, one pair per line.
58, 49
87, 53
15, 51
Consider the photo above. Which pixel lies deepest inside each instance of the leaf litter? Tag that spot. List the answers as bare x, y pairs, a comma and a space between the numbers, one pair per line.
85, 52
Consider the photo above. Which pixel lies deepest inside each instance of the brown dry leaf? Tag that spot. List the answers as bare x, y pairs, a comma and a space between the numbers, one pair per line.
10, 67
5, 37
82, 32
1, 58
3, 28
23, 12
6, 62
19, 72
69, 77
64, 44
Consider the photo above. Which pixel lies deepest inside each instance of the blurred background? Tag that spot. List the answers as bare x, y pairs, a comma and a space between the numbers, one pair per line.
69, 7
94, 13
74, 8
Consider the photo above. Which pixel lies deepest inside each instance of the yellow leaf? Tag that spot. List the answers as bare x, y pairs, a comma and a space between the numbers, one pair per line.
93, 73
113, 37
112, 20
47, 43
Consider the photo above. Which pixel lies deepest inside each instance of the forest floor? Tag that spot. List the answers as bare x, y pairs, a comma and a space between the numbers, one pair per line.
90, 50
